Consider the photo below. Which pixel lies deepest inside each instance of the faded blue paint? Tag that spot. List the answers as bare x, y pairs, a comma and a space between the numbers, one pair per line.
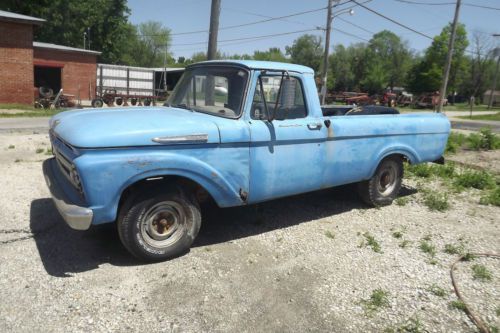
112, 148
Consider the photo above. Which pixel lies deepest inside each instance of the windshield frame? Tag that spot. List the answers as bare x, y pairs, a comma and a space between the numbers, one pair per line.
220, 65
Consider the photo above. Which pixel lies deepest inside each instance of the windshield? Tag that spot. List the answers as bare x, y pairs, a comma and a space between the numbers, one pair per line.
211, 89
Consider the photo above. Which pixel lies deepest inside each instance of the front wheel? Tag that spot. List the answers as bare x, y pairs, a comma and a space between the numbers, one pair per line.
384, 186
160, 227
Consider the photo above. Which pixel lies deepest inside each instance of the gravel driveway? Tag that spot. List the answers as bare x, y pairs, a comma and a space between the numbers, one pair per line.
301, 264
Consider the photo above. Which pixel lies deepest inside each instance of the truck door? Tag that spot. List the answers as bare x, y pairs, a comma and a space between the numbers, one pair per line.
287, 152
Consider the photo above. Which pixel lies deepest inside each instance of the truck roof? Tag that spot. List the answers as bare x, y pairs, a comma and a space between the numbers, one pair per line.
256, 64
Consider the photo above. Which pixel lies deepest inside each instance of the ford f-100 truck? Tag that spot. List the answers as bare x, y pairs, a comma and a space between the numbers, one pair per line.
235, 132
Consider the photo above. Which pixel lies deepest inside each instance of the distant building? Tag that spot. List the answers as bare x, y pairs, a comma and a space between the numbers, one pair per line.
496, 97
26, 65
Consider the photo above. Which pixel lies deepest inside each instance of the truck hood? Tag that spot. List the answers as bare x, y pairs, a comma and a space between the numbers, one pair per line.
127, 127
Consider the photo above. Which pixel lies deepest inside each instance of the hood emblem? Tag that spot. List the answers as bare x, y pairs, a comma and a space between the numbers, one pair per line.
182, 139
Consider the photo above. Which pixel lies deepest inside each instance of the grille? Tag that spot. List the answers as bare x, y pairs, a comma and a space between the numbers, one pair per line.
67, 168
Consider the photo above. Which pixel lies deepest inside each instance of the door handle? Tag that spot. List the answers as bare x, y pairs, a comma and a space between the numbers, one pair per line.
314, 126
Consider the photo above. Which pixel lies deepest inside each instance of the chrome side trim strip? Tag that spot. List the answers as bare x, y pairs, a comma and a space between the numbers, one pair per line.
182, 139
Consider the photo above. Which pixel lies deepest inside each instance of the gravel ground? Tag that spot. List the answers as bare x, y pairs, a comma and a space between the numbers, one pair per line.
294, 265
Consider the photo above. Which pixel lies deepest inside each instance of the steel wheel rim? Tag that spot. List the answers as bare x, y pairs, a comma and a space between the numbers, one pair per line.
386, 180
163, 224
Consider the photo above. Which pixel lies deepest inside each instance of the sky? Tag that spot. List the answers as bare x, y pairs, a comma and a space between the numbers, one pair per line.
194, 15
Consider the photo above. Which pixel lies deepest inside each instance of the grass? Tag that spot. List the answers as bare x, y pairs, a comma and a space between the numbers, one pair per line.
17, 160
468, 257
40, 150
437, 290
49, 151
466, 107
404, 244
32, 114
413, 325
484, 140
453, 249
372, 242
427, 248
397, 234
379, 298
17, 106
459, 305
402, 201
491, 197
329, 234
12, 147
494, 116
436, 201
480, 272
474, 179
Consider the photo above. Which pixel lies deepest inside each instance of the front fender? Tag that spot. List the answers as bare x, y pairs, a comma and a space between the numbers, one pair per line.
106, 174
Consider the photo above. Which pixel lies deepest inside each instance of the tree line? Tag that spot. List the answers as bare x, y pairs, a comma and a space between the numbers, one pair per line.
385, 61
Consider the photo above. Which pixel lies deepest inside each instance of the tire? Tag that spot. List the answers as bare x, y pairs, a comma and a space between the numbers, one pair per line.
384, 186
97, 103
45, 92
133, 101
147, 102
119, 101
159, 227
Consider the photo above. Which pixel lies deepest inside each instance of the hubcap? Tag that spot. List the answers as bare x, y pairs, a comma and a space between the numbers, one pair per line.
387, 180
163, 224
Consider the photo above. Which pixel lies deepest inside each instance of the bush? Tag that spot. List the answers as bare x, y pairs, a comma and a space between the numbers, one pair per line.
484, 140
420, 170
455, 141
476, 179
436, 201
492, 198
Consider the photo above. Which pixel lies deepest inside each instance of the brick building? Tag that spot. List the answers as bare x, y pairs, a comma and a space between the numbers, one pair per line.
25, 64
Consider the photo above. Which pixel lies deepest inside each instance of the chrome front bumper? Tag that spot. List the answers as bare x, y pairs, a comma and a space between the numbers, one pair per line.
77, 217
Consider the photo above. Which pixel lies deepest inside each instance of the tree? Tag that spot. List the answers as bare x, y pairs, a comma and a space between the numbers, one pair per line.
273, 54
150, 47
429, 70
388, 55
68, 20
306, 50
480, 67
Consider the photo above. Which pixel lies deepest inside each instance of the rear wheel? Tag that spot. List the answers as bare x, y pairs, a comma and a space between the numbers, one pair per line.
159, 227
384, 186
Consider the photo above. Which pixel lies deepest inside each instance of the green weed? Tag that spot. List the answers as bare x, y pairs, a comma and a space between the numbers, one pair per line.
436, 201
474, 179
459, 305
437, 290
479, 272
427, 248
379, 298
40, 150
329, 234
12, 146
402, 201
491, 198
372, 242
404, 244
453, 249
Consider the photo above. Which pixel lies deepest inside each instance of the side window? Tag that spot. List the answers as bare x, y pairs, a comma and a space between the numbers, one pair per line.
291, 104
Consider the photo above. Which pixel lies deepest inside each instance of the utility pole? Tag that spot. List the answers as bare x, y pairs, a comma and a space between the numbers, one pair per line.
214, 30
494, 86
212, 50
446, 73
327, 49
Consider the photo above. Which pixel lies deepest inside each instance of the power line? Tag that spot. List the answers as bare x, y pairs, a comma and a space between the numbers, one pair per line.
354, 25
392, 20
445, 4
249, 38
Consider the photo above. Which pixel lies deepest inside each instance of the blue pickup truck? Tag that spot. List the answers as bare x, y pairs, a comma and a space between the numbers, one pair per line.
235, 132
